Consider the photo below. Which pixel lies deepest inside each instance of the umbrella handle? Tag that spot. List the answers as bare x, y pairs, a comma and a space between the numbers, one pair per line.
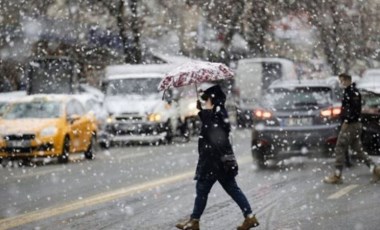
163, 95
196, 90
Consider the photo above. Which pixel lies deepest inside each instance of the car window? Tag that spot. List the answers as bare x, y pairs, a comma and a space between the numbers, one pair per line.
137, 86
70, 110
74, 107
3, 107
35, 109
282, 98
371, 100
89, 105
78, 108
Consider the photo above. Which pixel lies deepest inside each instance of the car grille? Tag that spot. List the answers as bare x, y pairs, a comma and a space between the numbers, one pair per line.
134, 129
129, 117
23, 137
29, 149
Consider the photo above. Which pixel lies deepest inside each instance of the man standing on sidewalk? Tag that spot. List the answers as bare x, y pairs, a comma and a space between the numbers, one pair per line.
350, 132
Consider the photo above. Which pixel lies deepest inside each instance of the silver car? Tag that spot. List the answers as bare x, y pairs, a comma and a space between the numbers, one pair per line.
295, 118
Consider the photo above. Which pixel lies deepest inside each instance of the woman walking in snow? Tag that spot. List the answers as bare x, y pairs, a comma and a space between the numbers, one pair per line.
216, 160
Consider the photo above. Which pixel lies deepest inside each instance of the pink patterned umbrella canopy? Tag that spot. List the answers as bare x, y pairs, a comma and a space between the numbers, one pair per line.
195, 72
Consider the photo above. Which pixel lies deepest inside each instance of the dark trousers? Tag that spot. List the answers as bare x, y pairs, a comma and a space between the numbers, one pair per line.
350, 135
203, 188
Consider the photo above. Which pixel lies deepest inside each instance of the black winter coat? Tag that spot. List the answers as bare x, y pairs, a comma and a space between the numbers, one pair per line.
351, 105
213, 144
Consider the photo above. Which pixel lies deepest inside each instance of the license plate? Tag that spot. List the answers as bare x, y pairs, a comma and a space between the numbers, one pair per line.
128, 127
299, 121
18, 144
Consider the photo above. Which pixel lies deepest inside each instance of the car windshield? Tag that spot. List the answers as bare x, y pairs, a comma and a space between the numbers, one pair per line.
33, 110
371, 100
371, 78
133, 86
283, 98
3, 106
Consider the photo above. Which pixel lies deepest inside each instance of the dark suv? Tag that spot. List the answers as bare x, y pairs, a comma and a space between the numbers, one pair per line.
295, 118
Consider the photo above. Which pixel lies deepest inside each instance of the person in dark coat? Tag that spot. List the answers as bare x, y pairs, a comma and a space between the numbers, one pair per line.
216, 160
350, 132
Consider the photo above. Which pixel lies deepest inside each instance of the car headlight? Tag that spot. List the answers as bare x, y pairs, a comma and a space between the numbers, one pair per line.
192, 106
154, 117
109, 119
48, 131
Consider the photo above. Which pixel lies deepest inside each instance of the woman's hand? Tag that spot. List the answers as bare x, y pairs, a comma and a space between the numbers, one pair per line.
199, 105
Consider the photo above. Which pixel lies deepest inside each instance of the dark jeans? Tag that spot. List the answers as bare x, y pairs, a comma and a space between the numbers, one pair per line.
203, 188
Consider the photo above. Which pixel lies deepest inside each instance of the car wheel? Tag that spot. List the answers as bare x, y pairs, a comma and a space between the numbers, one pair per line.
90, 152
27, 162
189, 129
327, 151
258, 155
105, 145
64, 157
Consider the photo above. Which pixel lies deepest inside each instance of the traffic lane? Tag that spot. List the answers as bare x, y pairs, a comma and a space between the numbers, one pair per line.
116, 156
290, 197
351, 205
28, 189
74, 218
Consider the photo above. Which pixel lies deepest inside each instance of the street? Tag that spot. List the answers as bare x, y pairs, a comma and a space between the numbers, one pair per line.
151, 187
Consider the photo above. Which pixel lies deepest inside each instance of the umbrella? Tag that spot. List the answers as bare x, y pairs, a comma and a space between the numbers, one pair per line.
195, 72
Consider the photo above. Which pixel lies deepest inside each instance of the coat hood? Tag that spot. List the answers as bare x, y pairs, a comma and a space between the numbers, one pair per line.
218, 97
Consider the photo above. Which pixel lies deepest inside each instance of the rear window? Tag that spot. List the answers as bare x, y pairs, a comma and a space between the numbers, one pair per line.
371, 100
284, 98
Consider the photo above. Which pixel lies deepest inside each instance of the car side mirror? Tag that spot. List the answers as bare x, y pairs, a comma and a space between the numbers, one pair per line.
72, 118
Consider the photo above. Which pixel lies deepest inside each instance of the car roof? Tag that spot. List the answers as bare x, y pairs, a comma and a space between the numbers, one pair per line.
11, 96
135, 75
44, 97
83, 97
272, 59
292, 84
371, 72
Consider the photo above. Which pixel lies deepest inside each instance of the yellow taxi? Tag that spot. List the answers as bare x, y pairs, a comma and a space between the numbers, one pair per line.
47, 126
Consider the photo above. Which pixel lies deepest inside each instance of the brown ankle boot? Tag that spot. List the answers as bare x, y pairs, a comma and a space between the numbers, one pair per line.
376, 174
249, 222
191, 224
333, 179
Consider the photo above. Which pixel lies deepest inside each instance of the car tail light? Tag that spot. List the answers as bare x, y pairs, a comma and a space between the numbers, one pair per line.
262, 114
332, 140
331, 112
236, 91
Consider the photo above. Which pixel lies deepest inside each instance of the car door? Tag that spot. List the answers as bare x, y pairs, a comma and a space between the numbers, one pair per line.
76, 123
371, 122
83, 125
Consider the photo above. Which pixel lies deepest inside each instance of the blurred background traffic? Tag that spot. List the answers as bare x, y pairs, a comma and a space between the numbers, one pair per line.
108, 57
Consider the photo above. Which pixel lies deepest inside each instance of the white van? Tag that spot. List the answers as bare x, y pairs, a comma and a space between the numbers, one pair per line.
136, 110
252, 78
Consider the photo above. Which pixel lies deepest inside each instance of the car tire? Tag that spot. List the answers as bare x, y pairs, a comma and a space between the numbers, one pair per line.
64, 157
328, 151
90, 152
258, 156
105, 144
